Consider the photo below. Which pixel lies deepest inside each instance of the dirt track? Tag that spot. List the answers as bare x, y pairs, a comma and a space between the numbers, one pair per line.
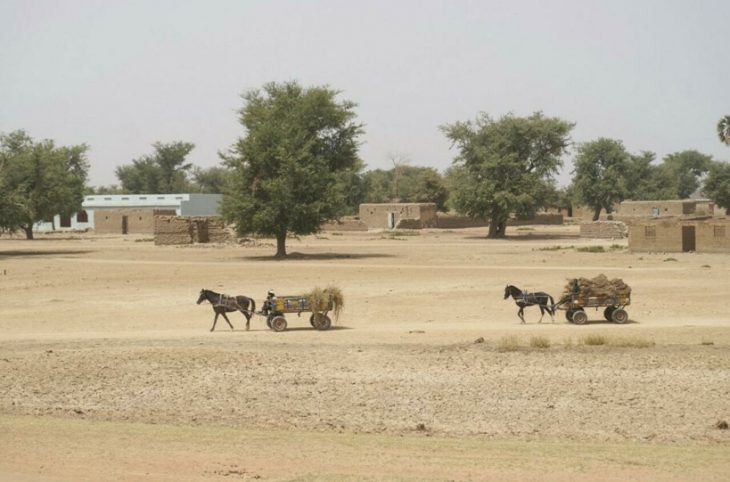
105, 329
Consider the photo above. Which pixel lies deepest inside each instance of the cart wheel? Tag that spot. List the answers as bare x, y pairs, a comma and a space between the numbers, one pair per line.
311, 320
321, 321
608, 312
580, 317
569, 315
278, 323
619, 316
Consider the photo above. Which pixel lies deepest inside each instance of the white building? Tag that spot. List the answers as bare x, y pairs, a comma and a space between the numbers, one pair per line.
127, 213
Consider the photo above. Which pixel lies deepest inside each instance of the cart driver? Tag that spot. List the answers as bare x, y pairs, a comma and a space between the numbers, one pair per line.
270, 303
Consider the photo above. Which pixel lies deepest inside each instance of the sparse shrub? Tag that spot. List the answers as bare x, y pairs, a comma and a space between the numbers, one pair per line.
668, 260
706, 266
591, 249
568, 342
405, 232
508, 343
631, 342
539, 342
616, 247
552, 248
336, 234
707, 342
525, 228
592, 340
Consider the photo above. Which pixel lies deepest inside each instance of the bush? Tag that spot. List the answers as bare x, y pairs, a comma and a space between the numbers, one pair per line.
508, 343
591, 249
592, 340
539, 342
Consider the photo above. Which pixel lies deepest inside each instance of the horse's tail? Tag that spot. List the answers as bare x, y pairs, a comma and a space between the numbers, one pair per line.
253, 304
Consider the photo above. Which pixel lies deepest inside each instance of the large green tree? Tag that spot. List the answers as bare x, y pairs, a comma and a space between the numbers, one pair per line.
288, 165
38, 180
717, 184
600, 174
212, 180
684, 171
163, 171
723, 130
505, 166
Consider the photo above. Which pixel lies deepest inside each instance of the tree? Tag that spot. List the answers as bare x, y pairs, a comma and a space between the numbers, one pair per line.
685, 169
505, 165
416, 184
165, 171
600, 174
717, 184
723, 130
38, 180
212, 180
297, 141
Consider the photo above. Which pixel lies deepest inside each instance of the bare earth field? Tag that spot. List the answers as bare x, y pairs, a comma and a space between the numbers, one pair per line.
108, 371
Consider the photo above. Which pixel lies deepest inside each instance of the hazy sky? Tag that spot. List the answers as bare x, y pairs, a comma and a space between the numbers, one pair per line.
120, 75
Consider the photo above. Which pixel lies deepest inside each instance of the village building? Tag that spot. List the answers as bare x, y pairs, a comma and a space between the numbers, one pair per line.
131, 213
680, 234
653, 209
398, 215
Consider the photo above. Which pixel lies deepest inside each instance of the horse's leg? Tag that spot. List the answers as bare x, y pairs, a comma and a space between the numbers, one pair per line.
227, 320
520, 313
542, 313
248, 315
215, 320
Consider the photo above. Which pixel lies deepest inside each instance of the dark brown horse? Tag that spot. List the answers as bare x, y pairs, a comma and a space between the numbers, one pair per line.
522, 298
223, 304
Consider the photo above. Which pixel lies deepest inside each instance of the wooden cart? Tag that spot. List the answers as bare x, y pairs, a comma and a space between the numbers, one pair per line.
613, 306
282, 305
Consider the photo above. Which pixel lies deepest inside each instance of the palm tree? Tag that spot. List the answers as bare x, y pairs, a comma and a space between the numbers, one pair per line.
723, 130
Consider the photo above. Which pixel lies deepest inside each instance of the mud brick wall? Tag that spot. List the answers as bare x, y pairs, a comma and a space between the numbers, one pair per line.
604, 230
657, 236
139, 221
218, 232
375, 216
172, 230
540, 218
713, 236
452, 221
190, 229
349, 223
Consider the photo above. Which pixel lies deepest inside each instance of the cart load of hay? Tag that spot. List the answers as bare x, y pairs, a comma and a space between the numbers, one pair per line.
327, 299
599, 287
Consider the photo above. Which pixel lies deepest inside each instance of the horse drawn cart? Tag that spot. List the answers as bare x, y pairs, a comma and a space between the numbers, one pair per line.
275, 308
581, 293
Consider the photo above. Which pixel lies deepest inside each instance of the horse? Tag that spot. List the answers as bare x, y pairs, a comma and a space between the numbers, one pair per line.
523, 299
223, 304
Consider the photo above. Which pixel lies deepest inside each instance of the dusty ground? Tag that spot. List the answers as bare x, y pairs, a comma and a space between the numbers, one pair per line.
108, 372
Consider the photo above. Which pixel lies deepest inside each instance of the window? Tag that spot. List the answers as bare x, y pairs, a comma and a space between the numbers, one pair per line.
142, 198
82, 217
719, 231
178, 197
650, 231
107, 199
125, 198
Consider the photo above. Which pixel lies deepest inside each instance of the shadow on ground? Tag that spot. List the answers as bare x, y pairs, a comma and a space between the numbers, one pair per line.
296, 256
23, 253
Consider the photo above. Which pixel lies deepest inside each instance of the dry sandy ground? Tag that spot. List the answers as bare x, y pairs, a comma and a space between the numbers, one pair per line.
108, 371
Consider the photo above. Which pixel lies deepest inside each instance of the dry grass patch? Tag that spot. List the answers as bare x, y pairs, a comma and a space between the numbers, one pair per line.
631, 342
539, 342
508, 343
593, 340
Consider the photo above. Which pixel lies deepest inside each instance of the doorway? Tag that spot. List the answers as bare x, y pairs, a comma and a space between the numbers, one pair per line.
391, 220
688, 238
125, 225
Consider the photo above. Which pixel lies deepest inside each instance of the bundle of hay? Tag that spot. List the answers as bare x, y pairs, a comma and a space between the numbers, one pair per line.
319, 300
598, 287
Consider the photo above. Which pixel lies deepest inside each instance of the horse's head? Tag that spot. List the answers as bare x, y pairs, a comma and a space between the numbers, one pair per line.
202, 297
507, 291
